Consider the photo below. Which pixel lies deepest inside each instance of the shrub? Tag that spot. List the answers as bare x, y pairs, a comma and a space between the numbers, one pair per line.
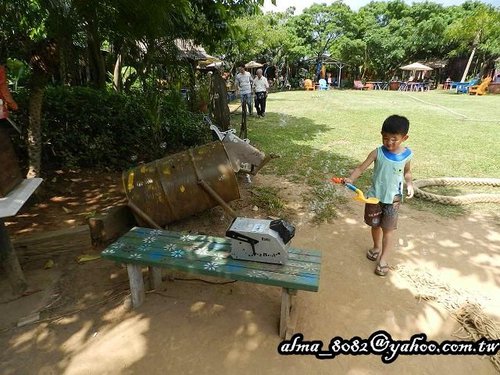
84, 127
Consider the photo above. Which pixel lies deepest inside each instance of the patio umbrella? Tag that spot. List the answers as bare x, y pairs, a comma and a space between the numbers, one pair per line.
416, 67
253, 64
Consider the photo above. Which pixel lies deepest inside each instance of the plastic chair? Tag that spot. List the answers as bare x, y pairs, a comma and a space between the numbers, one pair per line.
480, 89
322, 84
463, 87
358, 85
308, 85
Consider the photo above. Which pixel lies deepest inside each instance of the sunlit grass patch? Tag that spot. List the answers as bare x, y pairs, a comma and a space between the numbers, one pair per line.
320, 136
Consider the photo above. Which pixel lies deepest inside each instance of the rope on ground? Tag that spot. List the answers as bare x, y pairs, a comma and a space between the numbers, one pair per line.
454, 181
438, 105
464, 306
463, 117
477, 325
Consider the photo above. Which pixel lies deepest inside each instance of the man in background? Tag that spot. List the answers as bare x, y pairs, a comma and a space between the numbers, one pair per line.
261, 86
244, 86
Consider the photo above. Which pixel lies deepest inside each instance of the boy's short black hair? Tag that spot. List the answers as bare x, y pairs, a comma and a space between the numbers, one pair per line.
396, 125
241, 65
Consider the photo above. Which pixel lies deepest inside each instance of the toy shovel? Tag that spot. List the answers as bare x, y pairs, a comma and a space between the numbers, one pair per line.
359, 194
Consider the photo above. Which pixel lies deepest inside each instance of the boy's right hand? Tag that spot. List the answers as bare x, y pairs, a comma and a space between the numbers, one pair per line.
348, 181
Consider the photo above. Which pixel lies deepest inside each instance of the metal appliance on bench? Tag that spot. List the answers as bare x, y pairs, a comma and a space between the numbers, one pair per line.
260, 240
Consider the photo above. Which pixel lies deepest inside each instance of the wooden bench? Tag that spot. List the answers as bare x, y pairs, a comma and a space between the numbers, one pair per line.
207, 255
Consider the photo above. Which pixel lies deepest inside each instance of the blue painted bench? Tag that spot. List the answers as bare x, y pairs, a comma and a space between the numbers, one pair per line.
207, 255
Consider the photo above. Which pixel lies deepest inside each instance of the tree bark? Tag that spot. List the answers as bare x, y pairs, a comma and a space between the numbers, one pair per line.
35, 125
221, 109
10, 263
466, 71
474, 47
96, 60
192, 86
117, 74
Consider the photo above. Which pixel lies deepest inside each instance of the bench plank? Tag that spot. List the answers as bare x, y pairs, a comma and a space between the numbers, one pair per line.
208, 255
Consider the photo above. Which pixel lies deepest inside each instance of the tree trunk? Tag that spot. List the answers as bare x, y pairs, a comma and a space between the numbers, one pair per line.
117, 74
10, 263
63, 72
466, 71
96, 60
474, 47
221, 109
192, 85
35, 128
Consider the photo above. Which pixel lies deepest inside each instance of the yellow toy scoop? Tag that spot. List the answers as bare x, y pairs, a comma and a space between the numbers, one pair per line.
359, 194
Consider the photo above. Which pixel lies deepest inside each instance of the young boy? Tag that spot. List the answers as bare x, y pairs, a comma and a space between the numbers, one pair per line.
392, 164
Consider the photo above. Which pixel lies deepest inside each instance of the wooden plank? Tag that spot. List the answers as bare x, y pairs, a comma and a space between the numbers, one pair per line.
189, 253
12, 202
111, 223
164, 246
160, 248
227, 268
217, 243
146, 232
163, 254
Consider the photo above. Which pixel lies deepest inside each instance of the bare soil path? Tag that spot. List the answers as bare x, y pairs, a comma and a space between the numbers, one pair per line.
194, 327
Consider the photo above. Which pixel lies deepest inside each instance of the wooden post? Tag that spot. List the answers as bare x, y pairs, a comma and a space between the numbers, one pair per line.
136, 284
289, 313
10, 262
154, 278
143, 215
243, 129
218, 198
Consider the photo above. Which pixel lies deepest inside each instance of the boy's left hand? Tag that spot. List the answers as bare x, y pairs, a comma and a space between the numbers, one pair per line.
409, 191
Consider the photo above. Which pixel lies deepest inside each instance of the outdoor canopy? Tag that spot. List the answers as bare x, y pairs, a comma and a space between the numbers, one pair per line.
417, 67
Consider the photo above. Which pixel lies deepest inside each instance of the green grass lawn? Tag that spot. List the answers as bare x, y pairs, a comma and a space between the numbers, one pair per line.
327, 133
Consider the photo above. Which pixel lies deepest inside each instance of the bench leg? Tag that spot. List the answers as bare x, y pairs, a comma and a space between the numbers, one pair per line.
154, 278
289, 313
136, 284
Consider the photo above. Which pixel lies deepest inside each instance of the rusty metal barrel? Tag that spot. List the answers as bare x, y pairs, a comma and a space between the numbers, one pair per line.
169, 189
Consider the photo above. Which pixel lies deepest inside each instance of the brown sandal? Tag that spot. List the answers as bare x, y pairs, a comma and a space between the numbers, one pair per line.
381, 270
372, 255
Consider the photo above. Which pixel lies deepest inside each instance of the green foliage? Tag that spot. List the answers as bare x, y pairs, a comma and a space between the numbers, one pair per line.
180, 127
479, 26
84, 127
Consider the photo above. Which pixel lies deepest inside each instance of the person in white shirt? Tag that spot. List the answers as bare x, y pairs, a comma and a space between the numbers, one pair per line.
244, 85
261, 86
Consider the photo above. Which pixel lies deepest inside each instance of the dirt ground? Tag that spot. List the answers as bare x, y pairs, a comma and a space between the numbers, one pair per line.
196, 327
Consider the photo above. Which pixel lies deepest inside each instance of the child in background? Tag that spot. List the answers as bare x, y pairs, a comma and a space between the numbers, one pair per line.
392, 165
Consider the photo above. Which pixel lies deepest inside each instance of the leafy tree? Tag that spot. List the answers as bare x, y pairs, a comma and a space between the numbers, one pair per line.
64, 40
476, 30
320, 26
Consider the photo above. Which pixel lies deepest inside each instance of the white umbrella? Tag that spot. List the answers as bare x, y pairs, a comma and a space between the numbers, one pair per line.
416, 66
253, 64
